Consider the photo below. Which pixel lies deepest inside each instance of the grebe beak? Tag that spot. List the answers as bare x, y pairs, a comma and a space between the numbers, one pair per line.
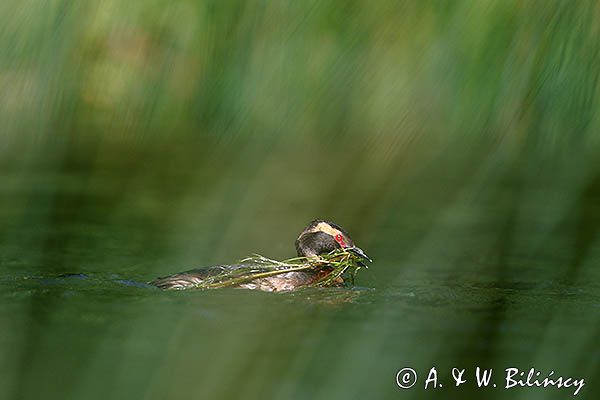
358, 251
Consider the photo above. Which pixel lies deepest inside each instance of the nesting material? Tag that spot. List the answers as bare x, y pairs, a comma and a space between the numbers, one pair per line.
332, 266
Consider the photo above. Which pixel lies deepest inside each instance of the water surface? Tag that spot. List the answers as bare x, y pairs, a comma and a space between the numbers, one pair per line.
454, 297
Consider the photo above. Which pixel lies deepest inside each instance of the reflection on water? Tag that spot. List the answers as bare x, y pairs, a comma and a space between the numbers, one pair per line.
83, 324
458, 143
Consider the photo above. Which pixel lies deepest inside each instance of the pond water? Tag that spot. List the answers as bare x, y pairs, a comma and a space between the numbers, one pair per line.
458, 288
457, 142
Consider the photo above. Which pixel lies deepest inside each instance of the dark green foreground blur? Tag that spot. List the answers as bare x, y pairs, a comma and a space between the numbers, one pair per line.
458, 143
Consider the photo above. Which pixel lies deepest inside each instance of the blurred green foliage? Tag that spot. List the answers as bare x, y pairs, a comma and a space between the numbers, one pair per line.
316, 108
504, 73
457, 141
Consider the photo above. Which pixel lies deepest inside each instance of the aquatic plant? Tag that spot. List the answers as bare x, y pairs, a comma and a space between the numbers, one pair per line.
334, 264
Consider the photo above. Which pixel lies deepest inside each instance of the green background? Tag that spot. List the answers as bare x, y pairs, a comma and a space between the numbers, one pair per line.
458, 142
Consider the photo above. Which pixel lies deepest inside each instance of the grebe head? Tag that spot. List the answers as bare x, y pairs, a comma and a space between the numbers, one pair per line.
322, 237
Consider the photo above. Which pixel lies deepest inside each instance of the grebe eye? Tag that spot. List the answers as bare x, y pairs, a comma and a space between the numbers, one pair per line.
340, 239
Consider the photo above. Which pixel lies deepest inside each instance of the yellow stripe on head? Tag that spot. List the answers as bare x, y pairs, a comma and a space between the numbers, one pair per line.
326, 228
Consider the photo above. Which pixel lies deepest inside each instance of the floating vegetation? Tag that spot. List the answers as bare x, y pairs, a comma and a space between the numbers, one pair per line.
330, 267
